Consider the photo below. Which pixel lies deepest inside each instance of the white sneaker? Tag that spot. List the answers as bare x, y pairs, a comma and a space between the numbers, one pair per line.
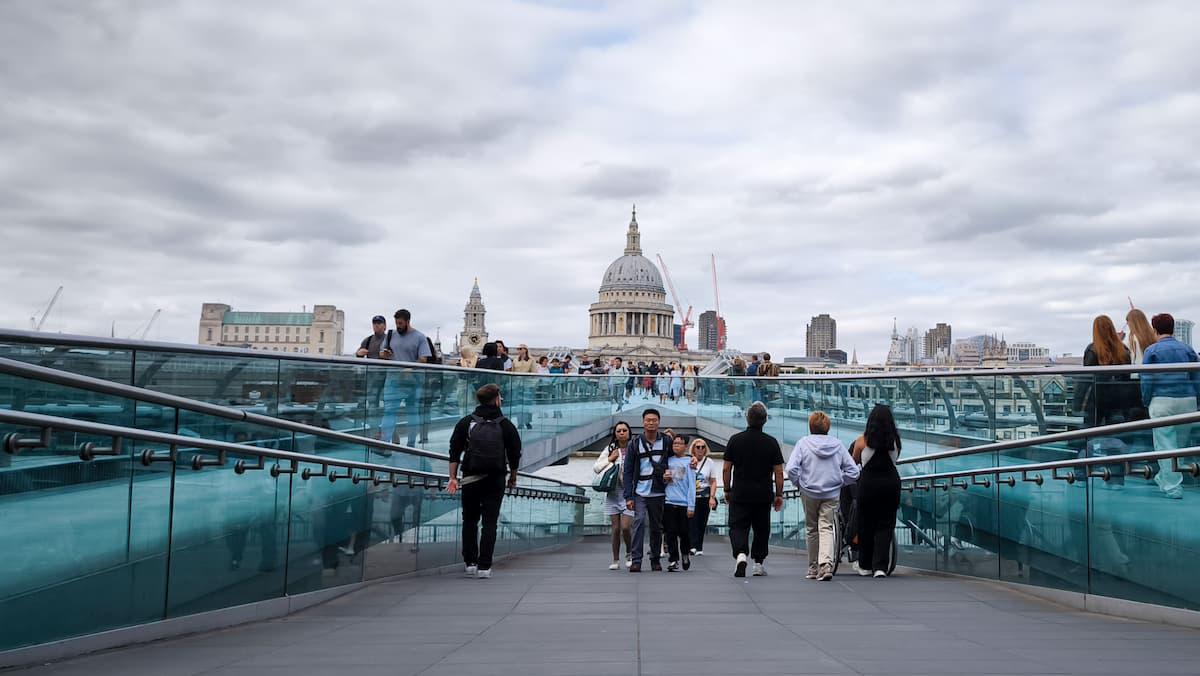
692, 551
699, 552
615, 565
471, 570
880, 573
628, 562
740, 569
759, 570
860, 571
485, 574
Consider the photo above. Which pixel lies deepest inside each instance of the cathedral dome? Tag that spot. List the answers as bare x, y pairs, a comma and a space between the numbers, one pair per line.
632, 272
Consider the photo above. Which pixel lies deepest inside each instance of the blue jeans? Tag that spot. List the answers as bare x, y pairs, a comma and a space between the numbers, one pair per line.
648, 509
396, 391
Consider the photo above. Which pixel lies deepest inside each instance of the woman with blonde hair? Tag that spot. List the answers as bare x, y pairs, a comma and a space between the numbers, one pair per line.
468, 358
707, 471
1141, 335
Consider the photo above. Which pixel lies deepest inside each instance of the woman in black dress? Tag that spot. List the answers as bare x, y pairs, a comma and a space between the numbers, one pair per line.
878, 491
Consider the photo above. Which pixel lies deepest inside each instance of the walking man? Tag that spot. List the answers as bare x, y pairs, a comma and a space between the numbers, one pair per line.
617, 376
753, 482
492, 447
405, 344
645, 489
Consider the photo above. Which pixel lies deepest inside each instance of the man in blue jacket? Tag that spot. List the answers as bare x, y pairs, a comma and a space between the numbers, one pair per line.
1168, 394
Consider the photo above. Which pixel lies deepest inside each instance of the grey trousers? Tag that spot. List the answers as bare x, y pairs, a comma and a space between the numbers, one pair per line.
651, 510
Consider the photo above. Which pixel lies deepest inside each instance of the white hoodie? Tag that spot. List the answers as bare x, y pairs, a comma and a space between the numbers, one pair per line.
820, 465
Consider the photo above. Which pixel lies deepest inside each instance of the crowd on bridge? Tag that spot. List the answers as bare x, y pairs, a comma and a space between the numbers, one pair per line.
666, 485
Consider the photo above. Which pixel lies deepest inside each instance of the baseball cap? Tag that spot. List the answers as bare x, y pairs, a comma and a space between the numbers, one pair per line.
378, 319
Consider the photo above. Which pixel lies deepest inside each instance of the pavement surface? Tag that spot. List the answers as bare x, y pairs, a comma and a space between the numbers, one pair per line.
564, 613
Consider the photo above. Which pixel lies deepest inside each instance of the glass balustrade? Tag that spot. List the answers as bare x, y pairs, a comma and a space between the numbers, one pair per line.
125, 542
120, 542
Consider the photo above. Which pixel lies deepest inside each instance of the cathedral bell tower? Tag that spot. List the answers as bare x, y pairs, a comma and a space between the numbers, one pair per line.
474, 333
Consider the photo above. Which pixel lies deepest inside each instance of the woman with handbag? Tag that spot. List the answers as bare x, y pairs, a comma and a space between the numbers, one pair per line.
608, 473
707, 473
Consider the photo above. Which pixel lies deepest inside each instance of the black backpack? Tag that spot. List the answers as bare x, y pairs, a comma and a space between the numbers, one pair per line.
485, 447
434, 357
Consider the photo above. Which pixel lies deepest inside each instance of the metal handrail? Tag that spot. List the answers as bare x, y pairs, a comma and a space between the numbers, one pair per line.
13, 442
42, 338
59, 377
1025, 470
1081, 433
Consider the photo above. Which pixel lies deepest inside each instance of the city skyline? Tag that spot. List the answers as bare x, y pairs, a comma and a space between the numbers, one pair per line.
1014, 168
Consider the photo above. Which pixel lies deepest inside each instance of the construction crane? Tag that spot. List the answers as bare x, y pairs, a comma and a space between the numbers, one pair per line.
717, 299
34, 322
687, 317
141, 335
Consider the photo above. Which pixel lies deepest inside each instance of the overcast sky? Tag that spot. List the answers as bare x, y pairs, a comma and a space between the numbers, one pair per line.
1006, 167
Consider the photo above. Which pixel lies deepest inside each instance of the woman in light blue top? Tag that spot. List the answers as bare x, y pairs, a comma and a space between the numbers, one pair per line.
680, 506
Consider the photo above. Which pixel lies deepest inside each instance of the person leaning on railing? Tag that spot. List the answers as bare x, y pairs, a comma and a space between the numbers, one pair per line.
1168, 394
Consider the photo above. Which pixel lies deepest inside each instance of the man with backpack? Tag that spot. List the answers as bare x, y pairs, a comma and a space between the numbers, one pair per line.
645, 488
492, 449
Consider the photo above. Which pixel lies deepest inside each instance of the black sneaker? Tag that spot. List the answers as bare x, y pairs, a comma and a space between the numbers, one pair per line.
687, 562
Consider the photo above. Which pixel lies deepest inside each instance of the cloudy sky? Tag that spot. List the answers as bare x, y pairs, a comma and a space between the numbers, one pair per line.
1007, 167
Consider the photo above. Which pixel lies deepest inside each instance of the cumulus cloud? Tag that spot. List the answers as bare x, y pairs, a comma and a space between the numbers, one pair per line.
1014, 167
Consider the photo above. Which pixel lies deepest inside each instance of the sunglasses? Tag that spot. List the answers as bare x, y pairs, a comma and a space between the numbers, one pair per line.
701, 447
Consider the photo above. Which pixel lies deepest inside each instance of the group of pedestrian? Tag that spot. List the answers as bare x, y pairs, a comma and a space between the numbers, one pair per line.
404, 343
664, 484
1112, 398
827, 474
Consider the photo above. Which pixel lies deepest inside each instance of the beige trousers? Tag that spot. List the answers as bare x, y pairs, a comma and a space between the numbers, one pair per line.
818, 529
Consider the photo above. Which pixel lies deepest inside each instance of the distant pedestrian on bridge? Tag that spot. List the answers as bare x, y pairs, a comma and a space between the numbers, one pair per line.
617, 377
372, 344
1167, 394
405, 344
753, 482
492, 448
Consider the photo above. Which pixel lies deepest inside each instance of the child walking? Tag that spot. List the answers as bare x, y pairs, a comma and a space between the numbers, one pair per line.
680, 504
820, 465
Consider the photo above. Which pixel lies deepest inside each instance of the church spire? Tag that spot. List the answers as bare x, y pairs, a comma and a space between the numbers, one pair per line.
475, 294
633, 239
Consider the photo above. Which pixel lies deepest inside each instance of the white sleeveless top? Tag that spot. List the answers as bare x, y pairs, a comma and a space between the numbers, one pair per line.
868, 453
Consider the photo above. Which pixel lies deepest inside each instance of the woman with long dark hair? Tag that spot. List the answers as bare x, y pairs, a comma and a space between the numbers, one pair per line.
614, 503
1106, 398
877, 450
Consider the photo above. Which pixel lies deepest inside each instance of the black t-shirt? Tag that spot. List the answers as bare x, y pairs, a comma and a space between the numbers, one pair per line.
754, 455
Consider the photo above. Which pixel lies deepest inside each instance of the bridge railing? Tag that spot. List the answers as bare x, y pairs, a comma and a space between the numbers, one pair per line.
124, 505
1108, 522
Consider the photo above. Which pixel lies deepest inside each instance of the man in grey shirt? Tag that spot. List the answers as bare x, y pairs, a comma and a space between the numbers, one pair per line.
371, 344
405, 344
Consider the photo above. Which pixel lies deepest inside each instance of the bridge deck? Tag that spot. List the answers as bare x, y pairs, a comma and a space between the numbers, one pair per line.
564, 613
